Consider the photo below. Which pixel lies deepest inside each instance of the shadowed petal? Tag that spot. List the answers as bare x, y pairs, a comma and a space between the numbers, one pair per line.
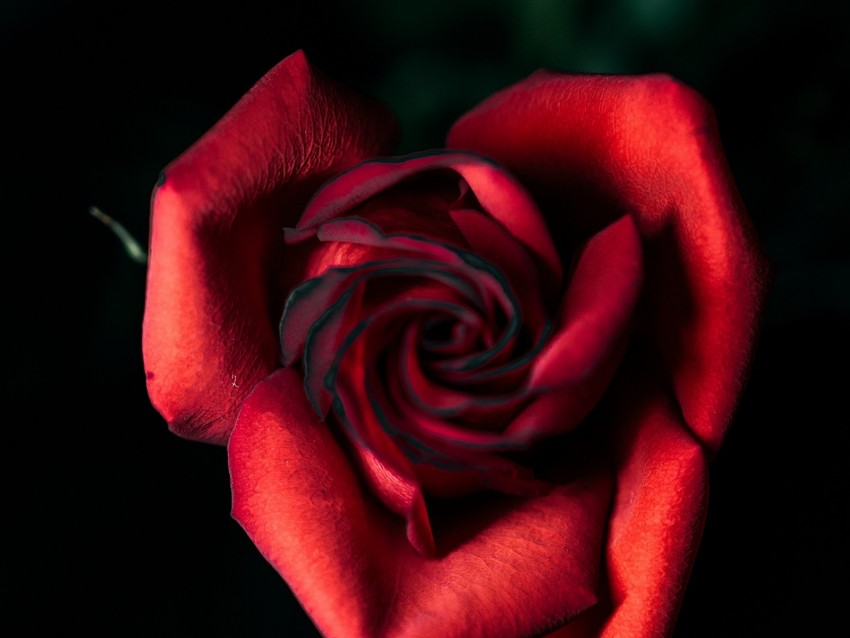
657, 519
597, 307
591, 148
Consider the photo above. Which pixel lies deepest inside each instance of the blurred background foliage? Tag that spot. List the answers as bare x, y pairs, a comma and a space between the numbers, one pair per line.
99, 96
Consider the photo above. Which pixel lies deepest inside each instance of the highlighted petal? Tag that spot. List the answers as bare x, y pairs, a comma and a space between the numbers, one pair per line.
597, 308
508, 566
600, 146
218, 272
657, 519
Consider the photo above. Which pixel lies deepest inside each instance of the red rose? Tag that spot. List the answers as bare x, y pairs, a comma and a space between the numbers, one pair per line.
469, 392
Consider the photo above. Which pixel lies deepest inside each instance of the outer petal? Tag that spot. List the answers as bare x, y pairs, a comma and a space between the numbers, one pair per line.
597, 146
656, 522
216, 283
507, 566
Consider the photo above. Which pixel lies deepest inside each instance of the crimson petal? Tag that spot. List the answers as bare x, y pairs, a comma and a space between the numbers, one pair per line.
649, 146
497, 191
324, 315
384, 465
492, 242
658, 515
532, 568
311, 299
215, 272
597, 307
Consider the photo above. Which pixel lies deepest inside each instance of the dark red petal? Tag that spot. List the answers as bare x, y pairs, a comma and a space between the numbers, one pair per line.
466, 326
489, 279
430, 428
575, 367
326, 314
384, 466
511, 566
489, 240
658, 515
312, 298
449, 459
497, 192
420, 207
646, 145
218, 267
429, 395
598, 304
555, 412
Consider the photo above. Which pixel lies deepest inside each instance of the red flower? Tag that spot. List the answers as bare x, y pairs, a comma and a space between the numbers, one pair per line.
469, 392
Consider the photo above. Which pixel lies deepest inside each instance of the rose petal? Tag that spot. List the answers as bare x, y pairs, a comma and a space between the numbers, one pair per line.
385, 467
479, 271
497, 191
441, 469
575, 367
361, 232
510, 566
330, 328
597, 307
442, 400
312, 298
432, 428
600, 146
489, 240
657, 520
215, 273
556, 412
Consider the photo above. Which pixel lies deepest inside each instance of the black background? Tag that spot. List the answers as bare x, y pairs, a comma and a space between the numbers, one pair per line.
117, 527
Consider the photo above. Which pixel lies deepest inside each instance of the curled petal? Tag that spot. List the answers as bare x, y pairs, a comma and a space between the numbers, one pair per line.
498, 193
508, 566
601, 146
597, 307
439, 399
576, 365
312, 298
384, 465
657, 518
492, 283
489, 240
215, 274
328, 316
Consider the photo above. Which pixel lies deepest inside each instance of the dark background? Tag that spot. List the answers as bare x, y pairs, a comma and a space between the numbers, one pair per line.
117, 527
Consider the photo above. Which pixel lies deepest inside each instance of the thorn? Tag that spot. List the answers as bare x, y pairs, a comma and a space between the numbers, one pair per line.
133, 248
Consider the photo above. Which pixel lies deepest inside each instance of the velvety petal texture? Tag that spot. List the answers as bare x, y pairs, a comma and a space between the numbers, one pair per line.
509, 567
594, 147
216, 283
657, 518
